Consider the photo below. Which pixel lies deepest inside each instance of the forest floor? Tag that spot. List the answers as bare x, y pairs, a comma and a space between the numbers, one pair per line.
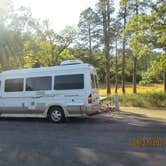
157, 113
149, 101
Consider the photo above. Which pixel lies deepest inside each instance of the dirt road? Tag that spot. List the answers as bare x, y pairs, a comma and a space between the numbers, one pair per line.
103, 140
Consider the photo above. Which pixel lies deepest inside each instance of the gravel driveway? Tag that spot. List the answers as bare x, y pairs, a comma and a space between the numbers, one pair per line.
103, 139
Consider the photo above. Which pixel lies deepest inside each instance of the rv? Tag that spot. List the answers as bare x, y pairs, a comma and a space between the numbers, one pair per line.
58, 92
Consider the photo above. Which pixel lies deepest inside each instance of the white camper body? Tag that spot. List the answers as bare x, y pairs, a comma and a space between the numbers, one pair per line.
68, 90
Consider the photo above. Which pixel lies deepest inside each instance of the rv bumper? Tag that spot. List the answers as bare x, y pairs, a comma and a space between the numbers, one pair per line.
81, 110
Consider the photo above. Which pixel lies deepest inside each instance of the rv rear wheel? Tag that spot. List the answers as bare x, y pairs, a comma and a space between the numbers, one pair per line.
56, 115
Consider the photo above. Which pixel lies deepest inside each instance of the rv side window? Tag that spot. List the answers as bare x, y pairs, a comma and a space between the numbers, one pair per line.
93, 86
14, 85
67, 82
38, 83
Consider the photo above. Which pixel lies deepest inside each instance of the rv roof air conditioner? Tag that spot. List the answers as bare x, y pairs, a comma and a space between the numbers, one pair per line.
71, 62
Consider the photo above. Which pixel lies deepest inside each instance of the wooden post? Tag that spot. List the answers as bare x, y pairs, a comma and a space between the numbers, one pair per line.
116, 101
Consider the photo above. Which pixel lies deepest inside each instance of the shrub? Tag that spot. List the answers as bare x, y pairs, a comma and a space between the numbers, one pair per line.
149, 99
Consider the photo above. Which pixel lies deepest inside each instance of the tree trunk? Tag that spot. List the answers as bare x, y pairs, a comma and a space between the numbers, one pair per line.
90, 42
124, 52
123, 68
108, 78
107, 58
135, 56
134, 74
165, 80
106, 32
116, 70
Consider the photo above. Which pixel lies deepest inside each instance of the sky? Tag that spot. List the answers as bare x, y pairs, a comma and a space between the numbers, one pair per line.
60, 12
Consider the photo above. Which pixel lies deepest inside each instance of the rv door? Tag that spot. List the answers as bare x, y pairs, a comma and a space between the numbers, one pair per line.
94, 90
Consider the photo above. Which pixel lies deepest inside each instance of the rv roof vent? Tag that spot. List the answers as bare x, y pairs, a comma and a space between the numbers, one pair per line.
71, 62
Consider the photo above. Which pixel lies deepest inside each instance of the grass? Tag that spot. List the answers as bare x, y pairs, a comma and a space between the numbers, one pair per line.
147, 96
140, 89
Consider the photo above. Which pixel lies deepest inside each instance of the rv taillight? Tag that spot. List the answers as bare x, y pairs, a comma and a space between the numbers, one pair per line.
90, 99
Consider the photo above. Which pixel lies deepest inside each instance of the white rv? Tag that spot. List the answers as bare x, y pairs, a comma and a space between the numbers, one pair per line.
68, 90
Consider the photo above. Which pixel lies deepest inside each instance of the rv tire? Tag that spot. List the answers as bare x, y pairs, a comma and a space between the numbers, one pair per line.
56, 115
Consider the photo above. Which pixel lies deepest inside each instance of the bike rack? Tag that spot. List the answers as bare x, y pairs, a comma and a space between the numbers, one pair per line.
107, 109
103, 110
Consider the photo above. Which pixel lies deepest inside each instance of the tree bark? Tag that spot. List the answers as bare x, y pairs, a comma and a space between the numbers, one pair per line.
123, 68
124, 52
135, 56
106, 32
107, 58
90, 41
116, 69
108, 78
134, 74
165, 80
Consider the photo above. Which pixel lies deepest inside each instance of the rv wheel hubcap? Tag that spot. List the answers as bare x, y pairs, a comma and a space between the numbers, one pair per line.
56, 115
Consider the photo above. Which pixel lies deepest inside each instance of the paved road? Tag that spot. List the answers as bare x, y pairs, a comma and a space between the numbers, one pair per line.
103, 140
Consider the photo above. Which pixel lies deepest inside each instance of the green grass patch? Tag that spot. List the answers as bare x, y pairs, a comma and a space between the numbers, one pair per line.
150, 99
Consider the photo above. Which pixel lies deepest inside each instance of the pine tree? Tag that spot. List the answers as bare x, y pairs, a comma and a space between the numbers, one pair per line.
105, 9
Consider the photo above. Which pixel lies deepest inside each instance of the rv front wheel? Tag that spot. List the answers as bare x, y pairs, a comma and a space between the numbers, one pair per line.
56, 115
